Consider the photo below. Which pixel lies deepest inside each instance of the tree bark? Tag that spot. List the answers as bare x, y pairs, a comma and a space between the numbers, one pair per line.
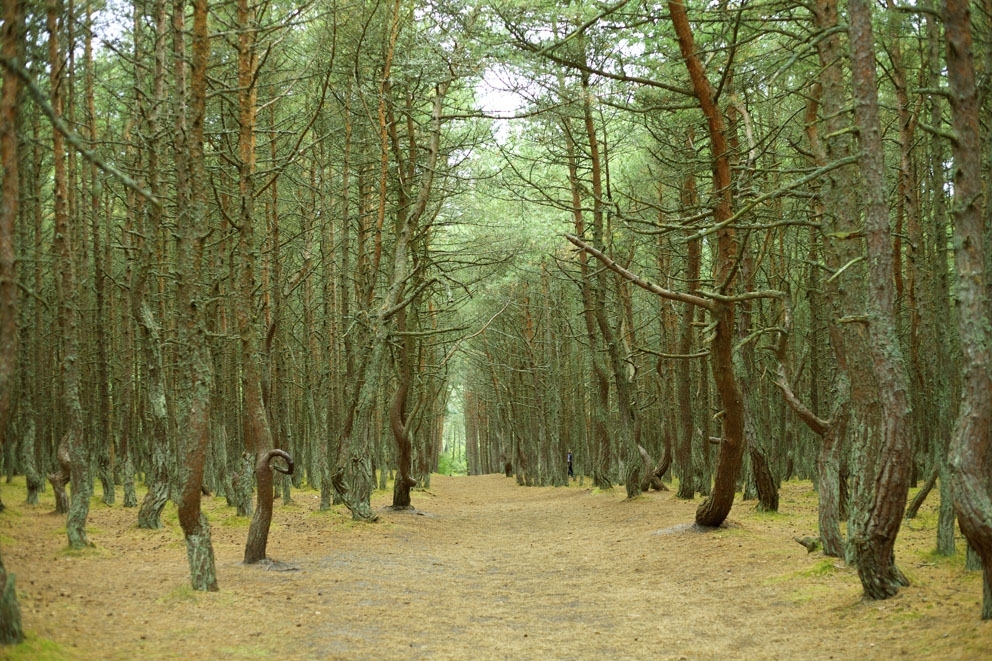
683, 369
398, 419
883, 454
143, 302
11, 42
601, 396
65, 238
258, 533
971, 442
195, 397
60, 478
714, 510
939, 364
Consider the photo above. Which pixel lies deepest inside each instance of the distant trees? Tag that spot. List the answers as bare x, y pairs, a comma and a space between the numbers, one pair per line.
818, 252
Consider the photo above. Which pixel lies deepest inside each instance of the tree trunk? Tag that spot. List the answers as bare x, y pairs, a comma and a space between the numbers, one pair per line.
258, 533
883, 451
104, 446
940, 363
11, 632
143, 302
601, 396
65, 238
196, 396
971, 443
60, 478
11, 40
714, 510
683, 369
398, 419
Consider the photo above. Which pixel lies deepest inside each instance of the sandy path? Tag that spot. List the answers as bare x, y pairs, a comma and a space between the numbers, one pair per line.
484, 569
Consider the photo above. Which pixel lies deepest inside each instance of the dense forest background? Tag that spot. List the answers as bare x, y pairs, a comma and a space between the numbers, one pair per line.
732, 242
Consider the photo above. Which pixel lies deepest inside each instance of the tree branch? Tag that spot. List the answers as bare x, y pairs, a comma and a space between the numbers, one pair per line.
73, 138
638, 280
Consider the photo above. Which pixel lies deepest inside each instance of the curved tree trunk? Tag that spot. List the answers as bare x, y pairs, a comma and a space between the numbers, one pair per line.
258, 532
652, 472
60, 478
714, 510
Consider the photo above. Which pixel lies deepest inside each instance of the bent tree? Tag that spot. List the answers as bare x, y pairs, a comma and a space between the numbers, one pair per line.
713, 510
258, 533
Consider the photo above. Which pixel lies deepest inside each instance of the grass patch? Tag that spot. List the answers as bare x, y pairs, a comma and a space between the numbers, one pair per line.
810, 592
824, 567
821, 569
930, 557
235, 521
183, 593
907, 616
36, 649
170, 515
91, 551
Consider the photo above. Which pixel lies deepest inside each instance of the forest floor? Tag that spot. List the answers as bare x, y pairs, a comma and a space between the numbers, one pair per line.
483, 569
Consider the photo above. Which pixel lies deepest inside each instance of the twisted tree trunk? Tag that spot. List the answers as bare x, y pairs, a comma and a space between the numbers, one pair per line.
258, 532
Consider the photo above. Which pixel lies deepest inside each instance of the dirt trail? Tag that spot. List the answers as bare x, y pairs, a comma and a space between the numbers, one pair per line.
483, 569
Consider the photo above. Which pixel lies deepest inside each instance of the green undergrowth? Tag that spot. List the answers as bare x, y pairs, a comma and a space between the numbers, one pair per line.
930, 557
820, 569
813, 582
91, 551
35, 648
182, 593
234, 521
825, 567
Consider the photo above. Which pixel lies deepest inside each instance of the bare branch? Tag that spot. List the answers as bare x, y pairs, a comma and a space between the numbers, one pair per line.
638, 280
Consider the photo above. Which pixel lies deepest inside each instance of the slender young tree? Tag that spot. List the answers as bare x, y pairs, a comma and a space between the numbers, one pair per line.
66, 249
